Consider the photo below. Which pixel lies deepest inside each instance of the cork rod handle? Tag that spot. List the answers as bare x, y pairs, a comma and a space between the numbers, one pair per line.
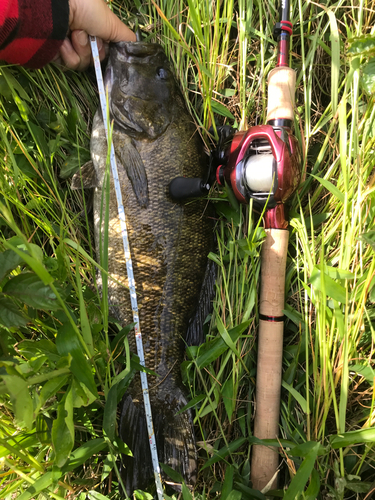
265, 460
281, 90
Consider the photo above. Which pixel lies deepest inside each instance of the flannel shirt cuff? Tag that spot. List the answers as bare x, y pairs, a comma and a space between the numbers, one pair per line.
32, 31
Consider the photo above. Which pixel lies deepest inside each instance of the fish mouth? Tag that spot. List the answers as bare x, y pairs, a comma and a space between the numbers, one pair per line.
129, 50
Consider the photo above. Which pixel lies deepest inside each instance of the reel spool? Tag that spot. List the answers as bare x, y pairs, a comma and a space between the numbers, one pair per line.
263, 165
259, 172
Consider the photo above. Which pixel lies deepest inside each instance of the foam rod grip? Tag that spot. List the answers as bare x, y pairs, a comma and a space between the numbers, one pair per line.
265, 460
281, 90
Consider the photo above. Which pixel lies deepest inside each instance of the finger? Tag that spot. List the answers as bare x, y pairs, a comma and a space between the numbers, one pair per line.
81, 45
68, 55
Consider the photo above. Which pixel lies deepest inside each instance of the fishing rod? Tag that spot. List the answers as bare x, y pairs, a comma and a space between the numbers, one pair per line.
129, 269
263, 164
280, 112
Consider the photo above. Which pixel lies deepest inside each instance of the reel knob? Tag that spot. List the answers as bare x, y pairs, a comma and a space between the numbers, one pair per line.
181, 188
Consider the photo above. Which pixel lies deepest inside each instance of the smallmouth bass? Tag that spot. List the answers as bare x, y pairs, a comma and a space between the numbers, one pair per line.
155, 141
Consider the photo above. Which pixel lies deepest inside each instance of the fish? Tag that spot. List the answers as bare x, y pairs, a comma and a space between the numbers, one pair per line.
155, 141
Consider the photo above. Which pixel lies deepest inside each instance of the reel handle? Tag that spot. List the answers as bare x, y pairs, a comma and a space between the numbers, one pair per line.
181, 188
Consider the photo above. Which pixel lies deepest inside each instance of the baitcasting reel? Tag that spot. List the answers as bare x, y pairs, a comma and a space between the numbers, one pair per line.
262, 163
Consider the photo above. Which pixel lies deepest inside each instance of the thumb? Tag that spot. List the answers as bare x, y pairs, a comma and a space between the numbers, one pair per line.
117, 31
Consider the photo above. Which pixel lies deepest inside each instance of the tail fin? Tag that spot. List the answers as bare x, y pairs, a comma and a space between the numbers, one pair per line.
174, 437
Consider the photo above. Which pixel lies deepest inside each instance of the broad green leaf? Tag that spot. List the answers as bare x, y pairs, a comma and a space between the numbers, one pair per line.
81, 395
85, 325
299, 481
50, 388
228, 212
362, 45
30, 249
338, 274
186, 495
359, 486
352, 437
20, 398
63, 430
28, 288
193, 402
174, 475
215, 348
313, 489
142, 495
224, 334
110, 412
9, 260
95, 495
124, 332
233, 495
67, 343
222, 110
120, 376
73, 162
211, 406
368, 76
224, 451
333, 289
331, 188
229, 399
14, 84
108, 466
43, 346
301, 400
10, 314
84, 452
316, 220
365, 371
45, 481
39, 137
369, 238
42, 429
302, 450
227, 485
250, 493
215, 258
33, 261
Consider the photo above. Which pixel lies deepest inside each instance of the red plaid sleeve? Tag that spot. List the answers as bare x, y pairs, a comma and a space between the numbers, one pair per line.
32, 31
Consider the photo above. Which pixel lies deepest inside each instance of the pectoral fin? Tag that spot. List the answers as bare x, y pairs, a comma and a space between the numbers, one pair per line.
85, 177
135, 170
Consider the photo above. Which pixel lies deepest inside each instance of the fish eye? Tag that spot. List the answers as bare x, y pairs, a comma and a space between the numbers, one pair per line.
162, 73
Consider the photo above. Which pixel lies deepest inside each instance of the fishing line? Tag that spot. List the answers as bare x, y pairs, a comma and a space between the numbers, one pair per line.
129, 268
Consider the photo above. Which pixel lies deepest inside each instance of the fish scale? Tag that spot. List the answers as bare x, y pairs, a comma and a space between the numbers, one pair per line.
169, 243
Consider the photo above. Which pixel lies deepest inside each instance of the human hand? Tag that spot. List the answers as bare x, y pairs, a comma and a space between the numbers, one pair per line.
90, 17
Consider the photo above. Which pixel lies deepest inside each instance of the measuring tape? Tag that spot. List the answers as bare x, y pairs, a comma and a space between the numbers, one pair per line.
129, 269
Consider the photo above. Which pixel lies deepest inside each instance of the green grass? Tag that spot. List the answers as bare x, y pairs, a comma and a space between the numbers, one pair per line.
62, 355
